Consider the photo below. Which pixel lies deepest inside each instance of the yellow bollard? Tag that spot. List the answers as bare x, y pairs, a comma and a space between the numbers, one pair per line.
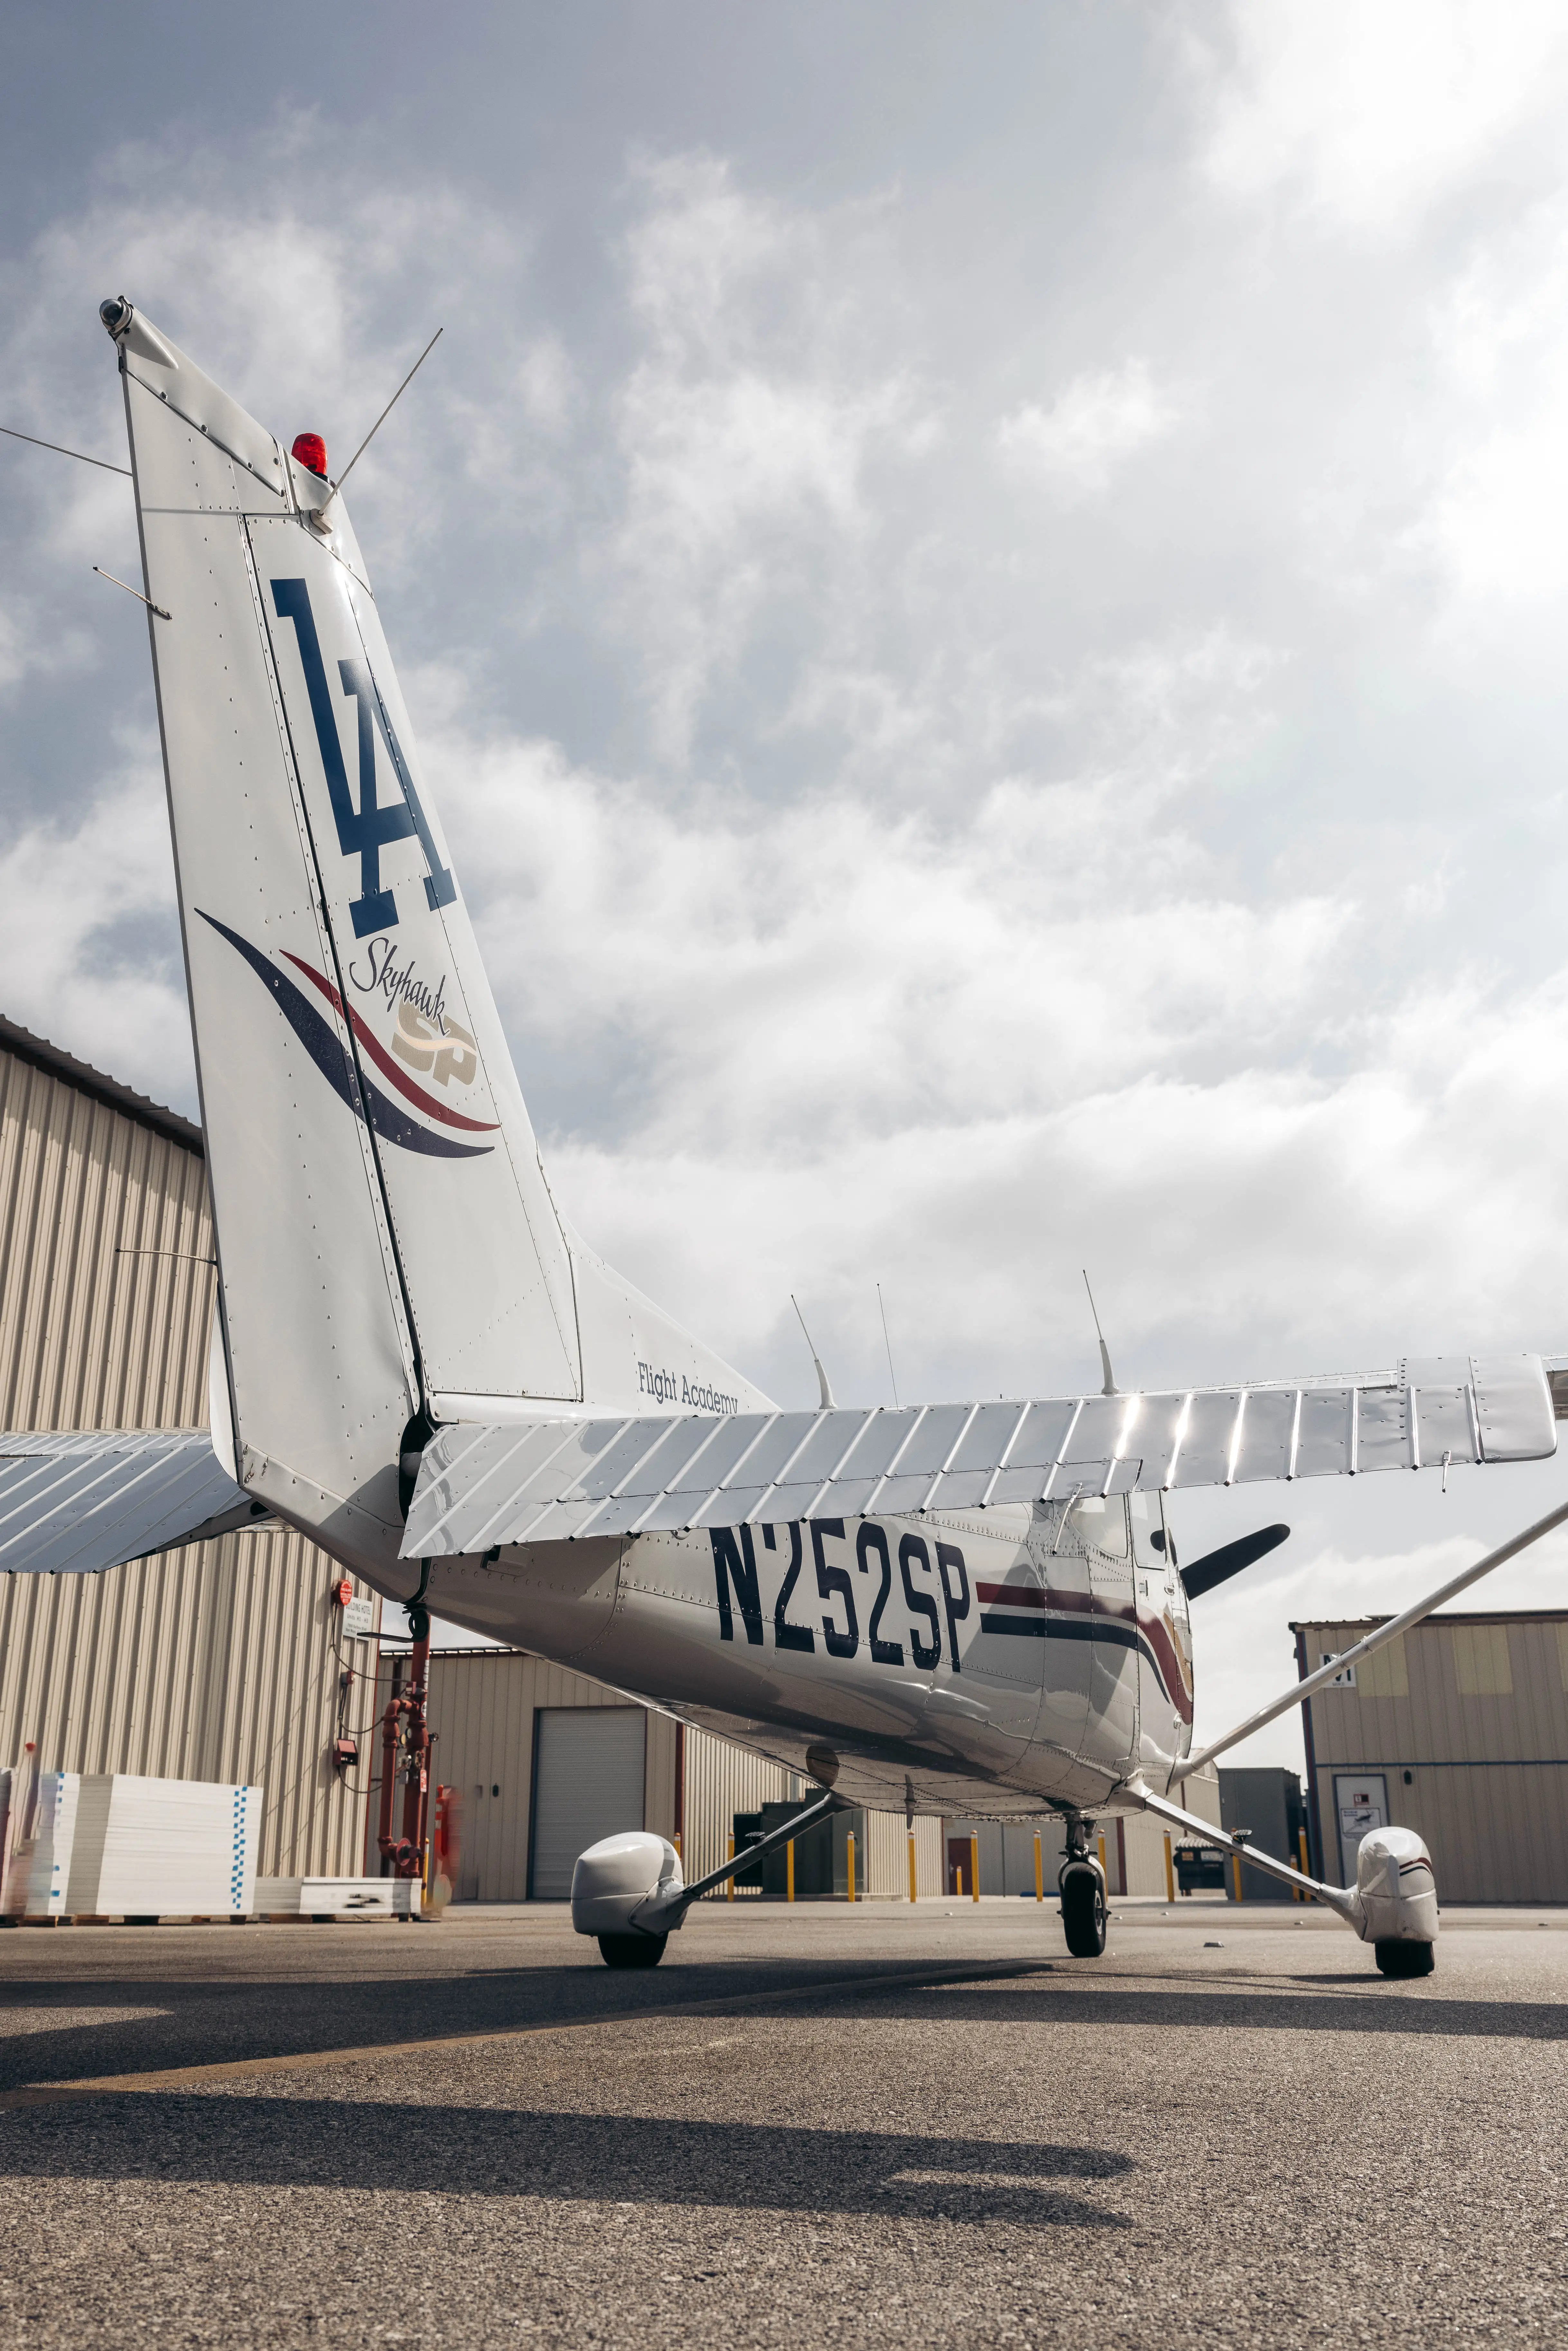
789, 1871
974, 1864
1306, 1864
959, 1875
849, 1848
1170, 1871
1039, 1870
729, 1888
1236, 1867
1100, 1841
912, 1864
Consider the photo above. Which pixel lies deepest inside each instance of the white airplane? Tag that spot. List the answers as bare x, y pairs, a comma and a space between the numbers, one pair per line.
970, 1607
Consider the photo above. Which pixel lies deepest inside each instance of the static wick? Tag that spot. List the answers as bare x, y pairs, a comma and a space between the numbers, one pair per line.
61, 450
130, 591
186, 1257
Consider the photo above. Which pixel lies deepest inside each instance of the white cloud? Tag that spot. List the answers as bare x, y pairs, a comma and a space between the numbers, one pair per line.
1090, 429
1366, 116
1496, 522
27, 651
749, 423
79, 901
971, 1058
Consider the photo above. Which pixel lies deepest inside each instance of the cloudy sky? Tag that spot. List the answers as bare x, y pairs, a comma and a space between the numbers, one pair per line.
983, 592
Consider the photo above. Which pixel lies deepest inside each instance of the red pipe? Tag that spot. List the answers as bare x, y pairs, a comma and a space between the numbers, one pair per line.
404, 1725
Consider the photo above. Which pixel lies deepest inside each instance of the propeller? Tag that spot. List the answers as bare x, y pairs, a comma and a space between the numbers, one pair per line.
1218, 1566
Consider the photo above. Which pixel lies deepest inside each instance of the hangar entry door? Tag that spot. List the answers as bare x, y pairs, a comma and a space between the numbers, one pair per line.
589, 1765
1361, 1800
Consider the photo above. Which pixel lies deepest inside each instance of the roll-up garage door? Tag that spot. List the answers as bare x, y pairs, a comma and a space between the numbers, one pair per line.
588, 1784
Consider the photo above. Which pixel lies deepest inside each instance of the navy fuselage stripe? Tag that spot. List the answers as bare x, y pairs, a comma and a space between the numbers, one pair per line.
1111, 1630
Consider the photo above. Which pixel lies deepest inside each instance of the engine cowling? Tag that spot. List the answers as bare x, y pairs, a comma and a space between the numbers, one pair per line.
616, 1877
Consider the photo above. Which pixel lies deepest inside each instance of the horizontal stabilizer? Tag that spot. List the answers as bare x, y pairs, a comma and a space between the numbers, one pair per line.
557, 1479
73, 1503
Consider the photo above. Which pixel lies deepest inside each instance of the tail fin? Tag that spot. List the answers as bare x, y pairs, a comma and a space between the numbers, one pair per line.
388, 1244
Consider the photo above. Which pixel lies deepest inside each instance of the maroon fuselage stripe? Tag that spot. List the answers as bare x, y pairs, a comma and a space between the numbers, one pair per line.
384, 1063
1152, 1629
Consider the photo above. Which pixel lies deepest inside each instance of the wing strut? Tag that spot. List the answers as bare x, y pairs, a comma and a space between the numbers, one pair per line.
1384, 1635
657, 1917
1336, 1897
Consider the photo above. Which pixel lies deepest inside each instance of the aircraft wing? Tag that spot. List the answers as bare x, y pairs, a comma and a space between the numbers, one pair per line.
555, 1479
72, 1502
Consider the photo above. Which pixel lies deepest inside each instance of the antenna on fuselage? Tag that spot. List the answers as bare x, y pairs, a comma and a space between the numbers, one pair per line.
824, 1383
887, 1343
1110, 1387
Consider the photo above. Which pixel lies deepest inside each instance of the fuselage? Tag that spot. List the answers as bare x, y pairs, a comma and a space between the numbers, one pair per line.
1004, 1662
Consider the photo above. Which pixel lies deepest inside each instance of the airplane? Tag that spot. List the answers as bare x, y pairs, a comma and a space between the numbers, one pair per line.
972, 1607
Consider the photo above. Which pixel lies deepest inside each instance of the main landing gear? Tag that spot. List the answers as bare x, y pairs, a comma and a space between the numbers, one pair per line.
631, 1950
1401, 1958
1083, 1884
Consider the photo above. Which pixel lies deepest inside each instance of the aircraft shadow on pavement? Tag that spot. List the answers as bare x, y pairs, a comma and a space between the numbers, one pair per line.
219, 2022
605, 2158
1227, 2006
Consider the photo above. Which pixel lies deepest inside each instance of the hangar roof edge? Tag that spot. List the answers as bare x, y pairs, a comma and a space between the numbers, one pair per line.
58, 1063
1438, 1616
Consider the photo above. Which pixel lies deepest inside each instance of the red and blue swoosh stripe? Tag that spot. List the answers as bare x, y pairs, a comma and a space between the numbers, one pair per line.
326, 1050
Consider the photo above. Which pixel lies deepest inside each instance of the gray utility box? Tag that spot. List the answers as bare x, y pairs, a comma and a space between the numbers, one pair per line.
1267, 1807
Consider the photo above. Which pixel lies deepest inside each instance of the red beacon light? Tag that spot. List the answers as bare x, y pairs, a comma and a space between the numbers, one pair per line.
310, 451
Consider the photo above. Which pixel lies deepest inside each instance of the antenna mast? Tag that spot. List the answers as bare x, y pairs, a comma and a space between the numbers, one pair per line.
1110, 1387
887, 1343
823, 1383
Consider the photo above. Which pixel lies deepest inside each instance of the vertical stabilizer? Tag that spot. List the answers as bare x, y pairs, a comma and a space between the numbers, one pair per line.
384, 1229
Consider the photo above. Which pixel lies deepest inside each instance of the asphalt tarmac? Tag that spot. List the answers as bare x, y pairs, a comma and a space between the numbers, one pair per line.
811, 2126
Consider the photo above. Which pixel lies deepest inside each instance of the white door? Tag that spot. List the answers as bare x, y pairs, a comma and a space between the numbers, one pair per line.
1362, 1802
588, 1784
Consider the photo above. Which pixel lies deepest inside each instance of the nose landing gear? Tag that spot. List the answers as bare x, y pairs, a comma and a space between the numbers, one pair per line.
1083, 1884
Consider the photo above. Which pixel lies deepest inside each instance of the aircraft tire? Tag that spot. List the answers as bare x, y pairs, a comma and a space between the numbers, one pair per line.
1083, 1914
1395, 1957
631, 1950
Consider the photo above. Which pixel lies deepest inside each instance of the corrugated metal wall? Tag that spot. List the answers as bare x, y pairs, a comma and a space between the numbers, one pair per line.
887, 1857
216, 1662
106, 1284
1475, 1708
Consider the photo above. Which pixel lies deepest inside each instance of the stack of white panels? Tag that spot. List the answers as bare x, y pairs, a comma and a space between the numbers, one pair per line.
40, 1861
170, 1848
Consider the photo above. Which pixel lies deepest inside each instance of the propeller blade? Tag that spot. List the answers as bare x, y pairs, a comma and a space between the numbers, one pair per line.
1216, 1566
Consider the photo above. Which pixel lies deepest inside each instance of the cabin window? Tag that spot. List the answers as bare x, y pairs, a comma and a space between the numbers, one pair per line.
1148, 1532
1100, 1524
